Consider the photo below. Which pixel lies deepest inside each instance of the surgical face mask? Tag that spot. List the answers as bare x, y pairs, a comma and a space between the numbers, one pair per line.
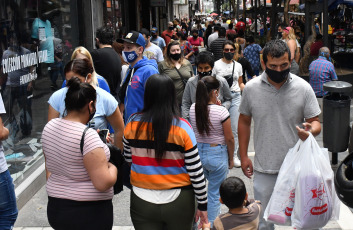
130, 56
203, 74
175, 56
229, 56
277, 76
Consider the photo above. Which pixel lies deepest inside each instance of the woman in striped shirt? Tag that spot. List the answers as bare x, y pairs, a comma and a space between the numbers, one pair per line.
79, 181
214, 137
166, 172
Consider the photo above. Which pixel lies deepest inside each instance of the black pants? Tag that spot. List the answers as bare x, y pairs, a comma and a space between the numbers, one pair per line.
66, 214
177, 215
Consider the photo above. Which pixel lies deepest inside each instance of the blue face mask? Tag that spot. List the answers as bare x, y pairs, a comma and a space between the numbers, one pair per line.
130, 56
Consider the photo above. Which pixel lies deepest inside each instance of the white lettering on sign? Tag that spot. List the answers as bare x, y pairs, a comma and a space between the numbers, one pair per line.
19, 62
27, 78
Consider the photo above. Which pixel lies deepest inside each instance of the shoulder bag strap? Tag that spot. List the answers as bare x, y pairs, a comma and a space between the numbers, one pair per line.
83, 139
182, 79
233, 68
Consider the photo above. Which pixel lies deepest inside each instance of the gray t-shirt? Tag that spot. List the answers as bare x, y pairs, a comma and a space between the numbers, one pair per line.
3, 164
154, 52
275, 114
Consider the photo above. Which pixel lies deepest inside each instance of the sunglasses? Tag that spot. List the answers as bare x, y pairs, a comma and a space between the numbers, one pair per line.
229, 50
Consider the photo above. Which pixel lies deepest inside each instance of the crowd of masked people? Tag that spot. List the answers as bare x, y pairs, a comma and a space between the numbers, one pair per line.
177, 105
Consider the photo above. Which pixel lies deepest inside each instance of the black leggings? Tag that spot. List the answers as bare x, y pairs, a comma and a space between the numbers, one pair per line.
66, 214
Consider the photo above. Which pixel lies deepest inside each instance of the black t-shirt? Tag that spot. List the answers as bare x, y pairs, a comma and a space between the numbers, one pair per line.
107, 63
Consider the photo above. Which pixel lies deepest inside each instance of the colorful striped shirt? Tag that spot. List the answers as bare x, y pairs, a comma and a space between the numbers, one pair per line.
69, 178
180, 166
320, 72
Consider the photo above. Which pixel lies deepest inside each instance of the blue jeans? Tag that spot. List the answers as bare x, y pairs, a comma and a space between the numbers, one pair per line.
215, 165
234, 117
8, 207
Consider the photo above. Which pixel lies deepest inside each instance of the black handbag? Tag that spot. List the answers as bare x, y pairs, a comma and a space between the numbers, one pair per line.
116, 158
229, 78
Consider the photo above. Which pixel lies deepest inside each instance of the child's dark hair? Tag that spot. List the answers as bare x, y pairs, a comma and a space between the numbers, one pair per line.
78, 95
233, 192
205, 57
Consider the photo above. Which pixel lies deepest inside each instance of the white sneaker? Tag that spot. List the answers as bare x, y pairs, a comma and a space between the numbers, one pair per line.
237, 163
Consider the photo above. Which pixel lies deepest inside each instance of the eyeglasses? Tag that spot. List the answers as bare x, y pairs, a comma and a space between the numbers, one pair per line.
229, 50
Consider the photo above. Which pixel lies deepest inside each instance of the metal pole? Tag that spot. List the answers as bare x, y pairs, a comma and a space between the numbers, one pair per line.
237, 10
324, 26
334, 158
307, 21
255, 18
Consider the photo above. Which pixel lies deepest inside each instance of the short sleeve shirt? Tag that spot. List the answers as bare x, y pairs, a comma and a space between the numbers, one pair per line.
217, 115
69, 178
195, 42
158, 41
3, 164
222, 69
154, 52
252, 53
276, 113
105, 106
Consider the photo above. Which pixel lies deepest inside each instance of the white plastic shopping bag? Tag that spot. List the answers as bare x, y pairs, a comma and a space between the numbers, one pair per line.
279, 208
315, 201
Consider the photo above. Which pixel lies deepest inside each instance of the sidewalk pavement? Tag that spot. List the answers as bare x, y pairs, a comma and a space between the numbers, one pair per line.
33, 215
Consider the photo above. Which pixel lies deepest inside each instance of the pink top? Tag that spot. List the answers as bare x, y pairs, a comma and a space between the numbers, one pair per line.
217, 115
69, 178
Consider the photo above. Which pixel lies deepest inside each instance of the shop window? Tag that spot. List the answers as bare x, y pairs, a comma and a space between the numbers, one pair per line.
36, 40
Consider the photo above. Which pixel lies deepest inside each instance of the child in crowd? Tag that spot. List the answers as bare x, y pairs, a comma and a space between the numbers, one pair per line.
242, 214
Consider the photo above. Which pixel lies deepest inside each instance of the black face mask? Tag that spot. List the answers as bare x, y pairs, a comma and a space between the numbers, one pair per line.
194, 36
171, 27
277, 76
154, 36
229, 56
175, 56
279, 34
91, 115
204, 74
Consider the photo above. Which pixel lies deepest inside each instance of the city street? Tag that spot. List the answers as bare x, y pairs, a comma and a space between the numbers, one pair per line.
33, 215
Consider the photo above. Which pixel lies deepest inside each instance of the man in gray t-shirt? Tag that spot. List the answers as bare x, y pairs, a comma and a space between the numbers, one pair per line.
279, 103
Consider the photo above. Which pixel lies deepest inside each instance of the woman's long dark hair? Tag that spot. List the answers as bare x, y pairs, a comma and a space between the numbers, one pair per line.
204, 88
160, 108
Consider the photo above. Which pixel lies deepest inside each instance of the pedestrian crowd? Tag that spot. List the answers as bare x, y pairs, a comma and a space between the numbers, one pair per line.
179, 104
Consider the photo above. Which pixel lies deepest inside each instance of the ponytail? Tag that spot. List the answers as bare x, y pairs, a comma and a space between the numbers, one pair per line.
204, 88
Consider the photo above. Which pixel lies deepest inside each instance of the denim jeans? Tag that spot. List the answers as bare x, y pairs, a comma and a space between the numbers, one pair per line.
215, 165
234, 117
8, 207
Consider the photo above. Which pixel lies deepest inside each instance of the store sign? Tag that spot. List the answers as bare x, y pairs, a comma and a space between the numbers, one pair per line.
180, 2
158, 3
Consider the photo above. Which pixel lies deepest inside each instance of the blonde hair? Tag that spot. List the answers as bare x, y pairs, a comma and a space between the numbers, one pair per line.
82, 50
291, 34
236, 53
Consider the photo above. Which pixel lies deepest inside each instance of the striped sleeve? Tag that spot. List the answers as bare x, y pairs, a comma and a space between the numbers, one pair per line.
194, 168
127, 150
224, 114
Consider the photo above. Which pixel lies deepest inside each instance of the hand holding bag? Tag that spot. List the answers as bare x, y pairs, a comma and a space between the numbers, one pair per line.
316, 202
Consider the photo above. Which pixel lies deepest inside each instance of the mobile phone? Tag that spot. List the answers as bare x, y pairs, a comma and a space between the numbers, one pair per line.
103, 133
